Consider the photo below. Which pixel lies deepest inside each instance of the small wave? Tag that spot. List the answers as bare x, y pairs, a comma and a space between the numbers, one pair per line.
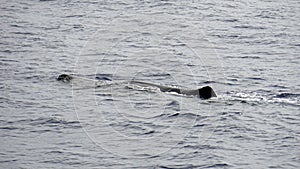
8, 128
176, 115
50, 122
230, 20
174, 105
149, 132
209, 82
102, 76
8, 60
278, 86
24, 33
133, 129
189, 115
184, 115
249, 27
17, 26
6, 51
105, 95
250, 57
179, 44
234, 112
32, 77
220, 165
163, 115
183, 166
255, 78
159, 74
74, 16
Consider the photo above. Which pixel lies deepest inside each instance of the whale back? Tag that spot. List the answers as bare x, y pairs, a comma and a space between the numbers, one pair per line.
206, 92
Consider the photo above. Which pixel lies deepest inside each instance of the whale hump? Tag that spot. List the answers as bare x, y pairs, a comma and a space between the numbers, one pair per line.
206, 92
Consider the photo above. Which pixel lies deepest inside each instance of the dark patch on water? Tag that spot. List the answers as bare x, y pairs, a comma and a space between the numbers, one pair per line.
250, 57
102, 76
174, 105
288, 95
209, 82
255, 78
8, 128
230, 20
51, 122
219, 165
249, 27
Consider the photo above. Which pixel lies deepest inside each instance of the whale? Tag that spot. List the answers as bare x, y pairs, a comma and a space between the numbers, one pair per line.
64, 78
205, 92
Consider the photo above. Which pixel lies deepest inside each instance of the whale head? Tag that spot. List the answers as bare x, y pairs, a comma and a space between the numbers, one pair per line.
64, 78
206, 92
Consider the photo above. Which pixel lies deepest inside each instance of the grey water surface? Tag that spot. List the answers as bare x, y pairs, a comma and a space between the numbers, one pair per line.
248, 51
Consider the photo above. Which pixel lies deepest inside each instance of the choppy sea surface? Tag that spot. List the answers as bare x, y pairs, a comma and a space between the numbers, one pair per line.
248, 51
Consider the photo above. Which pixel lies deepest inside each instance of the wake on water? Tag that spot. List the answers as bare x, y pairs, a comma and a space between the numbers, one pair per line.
251, 97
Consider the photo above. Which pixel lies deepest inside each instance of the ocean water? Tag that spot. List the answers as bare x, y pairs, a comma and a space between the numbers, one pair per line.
248, 51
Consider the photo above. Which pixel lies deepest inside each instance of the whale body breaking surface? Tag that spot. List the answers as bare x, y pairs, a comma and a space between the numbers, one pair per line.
205, 92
